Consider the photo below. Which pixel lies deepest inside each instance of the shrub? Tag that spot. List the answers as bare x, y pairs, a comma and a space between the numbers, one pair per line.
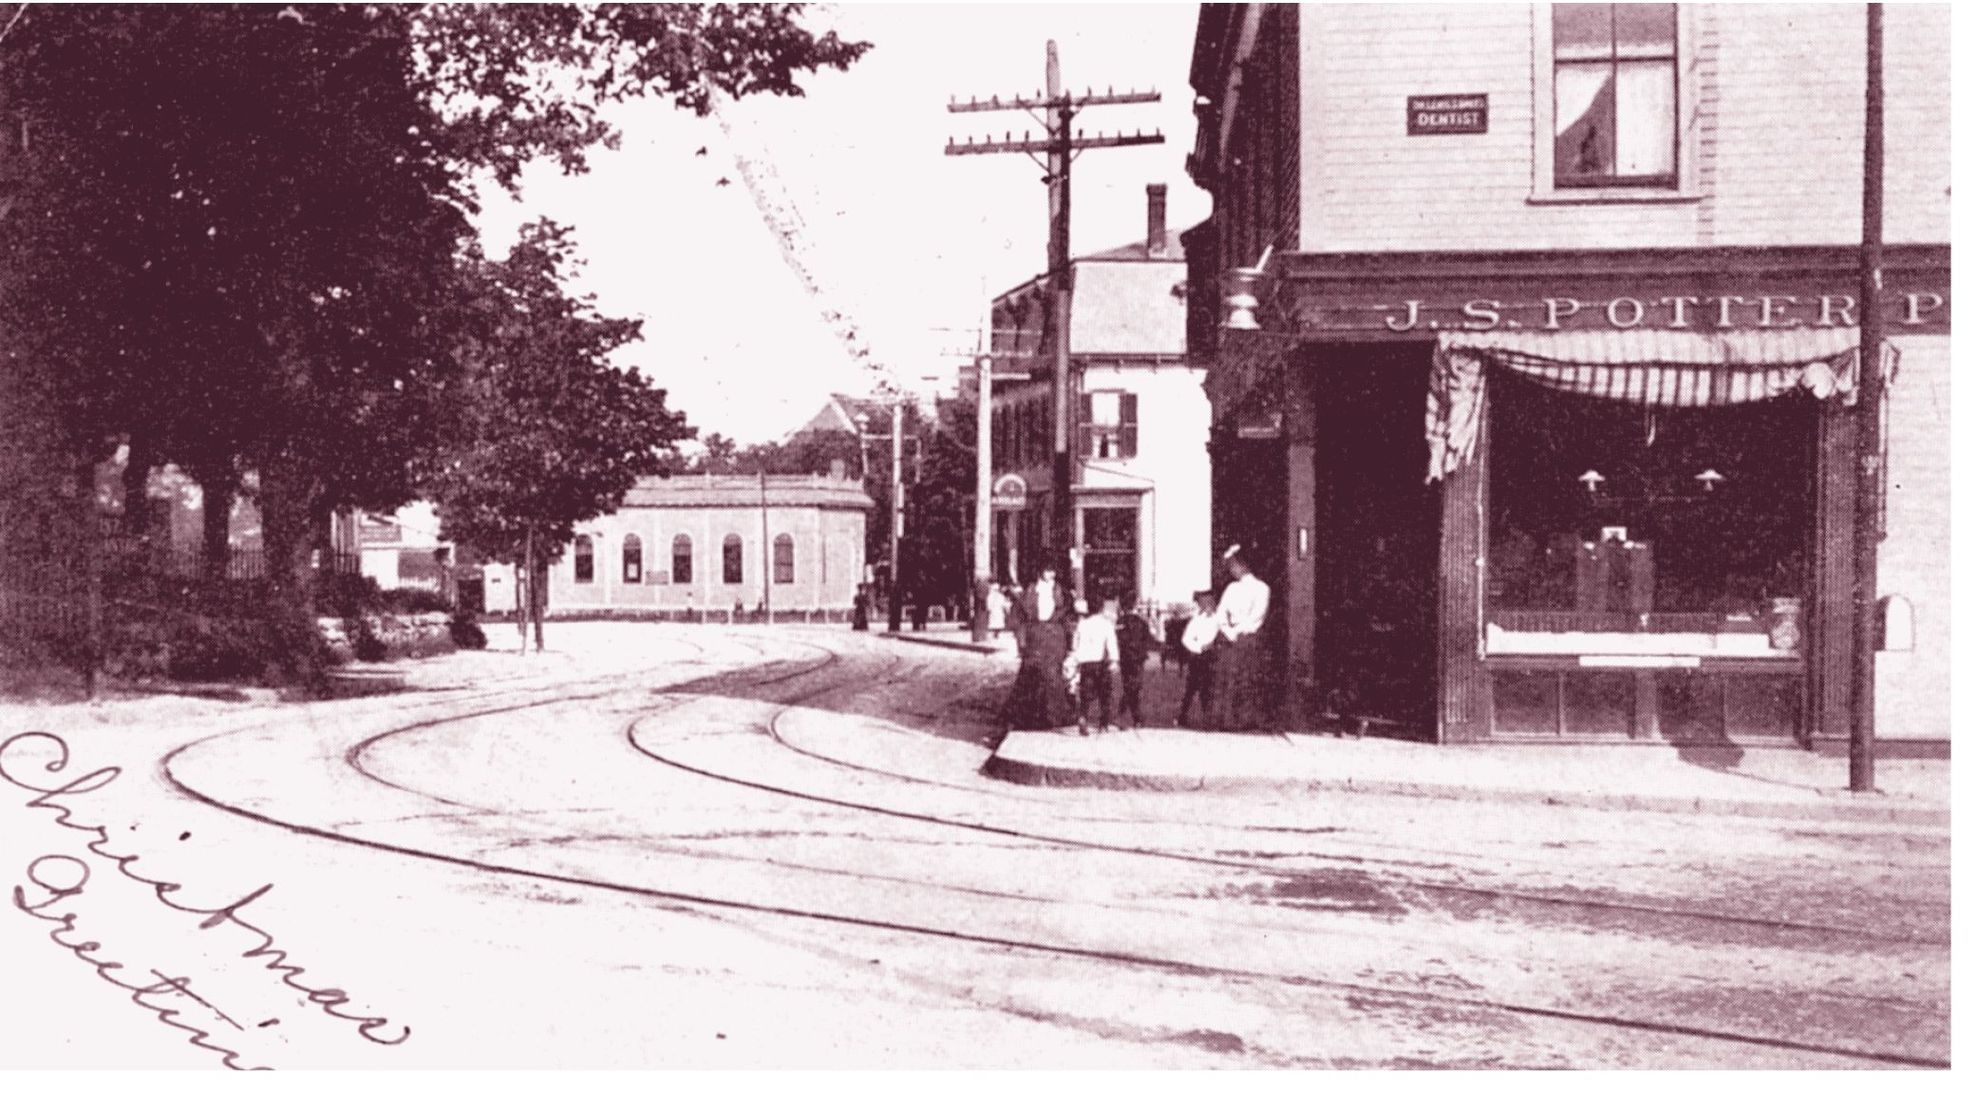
364, 640
413, 601
467, 634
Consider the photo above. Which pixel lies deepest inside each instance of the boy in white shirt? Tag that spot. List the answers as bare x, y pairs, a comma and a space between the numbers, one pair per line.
1095, 646
1198, 647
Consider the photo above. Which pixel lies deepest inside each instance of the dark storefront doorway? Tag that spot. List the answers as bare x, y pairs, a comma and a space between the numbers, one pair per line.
1376, 536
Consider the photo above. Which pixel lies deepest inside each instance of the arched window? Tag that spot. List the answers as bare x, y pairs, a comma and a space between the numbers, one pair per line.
731, 560
786, 560
683, 560
635, 560
584, 561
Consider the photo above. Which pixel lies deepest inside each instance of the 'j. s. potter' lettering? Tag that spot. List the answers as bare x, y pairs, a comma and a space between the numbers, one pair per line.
1727, 312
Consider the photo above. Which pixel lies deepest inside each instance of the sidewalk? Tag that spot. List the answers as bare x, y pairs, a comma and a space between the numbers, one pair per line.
948, 635
1779, 783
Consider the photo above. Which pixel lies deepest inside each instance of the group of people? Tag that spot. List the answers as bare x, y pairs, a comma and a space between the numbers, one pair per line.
1070, 652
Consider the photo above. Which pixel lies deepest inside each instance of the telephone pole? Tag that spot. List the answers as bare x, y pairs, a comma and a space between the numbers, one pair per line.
1868, 436
1056, 108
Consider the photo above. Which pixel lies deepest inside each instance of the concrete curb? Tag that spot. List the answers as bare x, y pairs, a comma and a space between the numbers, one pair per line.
1024, 772
960, 646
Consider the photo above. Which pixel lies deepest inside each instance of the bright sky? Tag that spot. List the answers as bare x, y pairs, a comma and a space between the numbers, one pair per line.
908, 241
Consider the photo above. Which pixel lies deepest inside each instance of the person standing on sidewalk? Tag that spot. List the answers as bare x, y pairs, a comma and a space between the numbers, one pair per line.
1096, 649
1240, 663
1198, 665
1043, 622
1136, 638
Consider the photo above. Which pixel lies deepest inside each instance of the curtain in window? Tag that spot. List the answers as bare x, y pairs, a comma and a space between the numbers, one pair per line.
1647, 367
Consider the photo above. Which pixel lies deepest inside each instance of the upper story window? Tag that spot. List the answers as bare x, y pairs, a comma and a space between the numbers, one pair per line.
1111, 424
582, 558
1614, 95
635, 560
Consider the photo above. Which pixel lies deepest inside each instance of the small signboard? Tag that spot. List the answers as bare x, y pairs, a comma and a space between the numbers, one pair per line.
1009, 492
1432, 115
374, 529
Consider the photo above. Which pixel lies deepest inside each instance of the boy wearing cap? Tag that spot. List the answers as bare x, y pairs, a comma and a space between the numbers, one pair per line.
1095, 647
1198, 650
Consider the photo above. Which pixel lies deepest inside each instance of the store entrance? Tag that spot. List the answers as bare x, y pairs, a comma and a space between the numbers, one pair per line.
1377, 537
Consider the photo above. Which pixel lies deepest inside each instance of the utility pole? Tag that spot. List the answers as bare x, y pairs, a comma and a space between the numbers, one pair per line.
762, 485
899, 528
1059, 147
1868, 437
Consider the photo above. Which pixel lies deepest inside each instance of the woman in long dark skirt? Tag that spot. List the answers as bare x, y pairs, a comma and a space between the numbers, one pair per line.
1042, 617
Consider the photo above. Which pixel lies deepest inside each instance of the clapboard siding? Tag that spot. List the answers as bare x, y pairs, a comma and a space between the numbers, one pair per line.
1912, 689
1774, 123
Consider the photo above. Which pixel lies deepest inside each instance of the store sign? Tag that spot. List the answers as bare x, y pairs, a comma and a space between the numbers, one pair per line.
1432, 115
1009, 492
1901, 310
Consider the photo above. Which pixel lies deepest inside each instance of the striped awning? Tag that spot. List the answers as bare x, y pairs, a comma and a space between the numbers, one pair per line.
1674, 368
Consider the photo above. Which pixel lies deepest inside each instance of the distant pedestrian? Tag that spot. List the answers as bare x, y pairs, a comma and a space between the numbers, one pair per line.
1198, 665
1240, 662
1136, 639
1042, 618
999, 609
1096, 650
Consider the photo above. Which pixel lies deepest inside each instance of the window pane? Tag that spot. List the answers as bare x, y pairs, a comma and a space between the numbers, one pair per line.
731, 560
1583, 117
1582, 30
683, 560
1645, 30
1105, 407
634, 560
585, 560
1645, 119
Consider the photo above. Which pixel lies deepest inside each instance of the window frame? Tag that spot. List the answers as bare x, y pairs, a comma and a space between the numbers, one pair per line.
739, 566
683, 573
1125, 432
632, 558
1683, 186
784, 558
583, 560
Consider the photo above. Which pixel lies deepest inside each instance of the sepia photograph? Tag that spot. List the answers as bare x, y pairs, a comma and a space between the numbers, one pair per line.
976, 537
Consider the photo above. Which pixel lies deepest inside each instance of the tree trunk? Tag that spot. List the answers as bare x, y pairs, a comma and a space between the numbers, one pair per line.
538, 597
287, 534
90, 546
216, 502
137, 480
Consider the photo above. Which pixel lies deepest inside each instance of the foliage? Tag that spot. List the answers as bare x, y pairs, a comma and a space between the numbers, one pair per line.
466, 633
549, 433
235, 233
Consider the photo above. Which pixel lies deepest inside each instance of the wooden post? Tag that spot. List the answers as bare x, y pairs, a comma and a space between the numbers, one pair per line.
1462, 683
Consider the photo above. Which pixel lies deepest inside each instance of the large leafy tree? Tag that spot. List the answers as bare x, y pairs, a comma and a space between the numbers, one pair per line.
550, 434
235, 233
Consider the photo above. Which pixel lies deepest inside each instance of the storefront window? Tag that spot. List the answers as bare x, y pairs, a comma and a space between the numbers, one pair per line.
1613, 516
1614, 94
1112, 547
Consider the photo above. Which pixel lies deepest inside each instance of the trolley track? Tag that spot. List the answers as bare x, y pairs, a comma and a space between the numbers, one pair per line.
355, 756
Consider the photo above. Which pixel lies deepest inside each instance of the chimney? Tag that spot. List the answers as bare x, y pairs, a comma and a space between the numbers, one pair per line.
1157, 220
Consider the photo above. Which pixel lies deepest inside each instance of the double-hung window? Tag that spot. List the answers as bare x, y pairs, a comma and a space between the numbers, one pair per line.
583, 560
1614, 95
1112, 424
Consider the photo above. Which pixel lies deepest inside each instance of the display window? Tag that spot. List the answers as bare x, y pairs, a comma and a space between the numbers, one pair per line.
1626, 529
